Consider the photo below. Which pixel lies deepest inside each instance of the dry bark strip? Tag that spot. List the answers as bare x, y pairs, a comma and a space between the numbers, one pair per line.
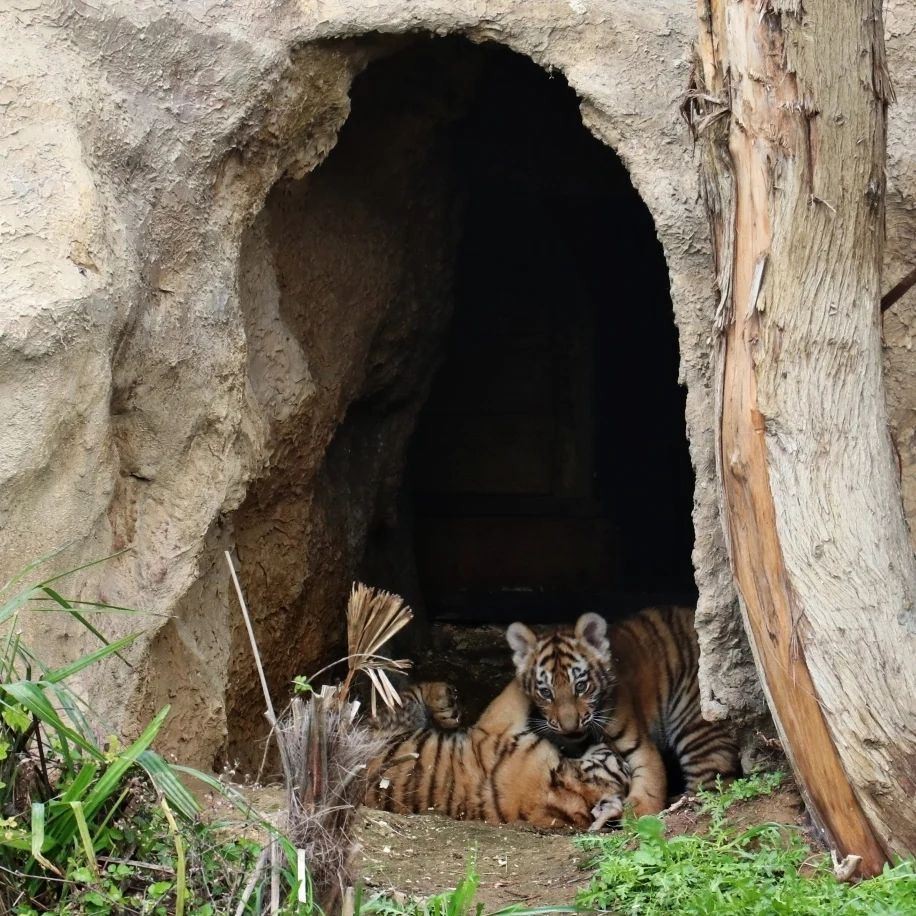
789, 102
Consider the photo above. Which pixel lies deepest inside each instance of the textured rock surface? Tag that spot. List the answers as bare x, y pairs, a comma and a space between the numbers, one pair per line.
159, 390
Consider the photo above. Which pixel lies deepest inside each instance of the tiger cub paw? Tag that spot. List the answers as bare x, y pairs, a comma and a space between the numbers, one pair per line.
609, 808
441, 702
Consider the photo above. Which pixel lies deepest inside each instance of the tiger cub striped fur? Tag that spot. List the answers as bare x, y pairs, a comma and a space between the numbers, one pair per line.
495, 771
424, 705
636, 687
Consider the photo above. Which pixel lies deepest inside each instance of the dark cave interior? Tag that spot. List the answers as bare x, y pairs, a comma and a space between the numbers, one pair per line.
483, 310
549, 473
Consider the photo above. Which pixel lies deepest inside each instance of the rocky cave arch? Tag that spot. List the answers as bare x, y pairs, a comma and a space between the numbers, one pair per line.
466, 229
152, 406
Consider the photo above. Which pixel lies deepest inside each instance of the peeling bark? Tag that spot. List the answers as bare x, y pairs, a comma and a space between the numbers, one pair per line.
789, 101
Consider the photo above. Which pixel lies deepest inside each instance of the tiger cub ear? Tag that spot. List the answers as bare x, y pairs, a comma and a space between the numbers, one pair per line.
522, 642
593, 630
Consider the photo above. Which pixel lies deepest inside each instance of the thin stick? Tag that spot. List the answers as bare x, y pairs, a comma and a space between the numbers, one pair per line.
254, 646
274, 878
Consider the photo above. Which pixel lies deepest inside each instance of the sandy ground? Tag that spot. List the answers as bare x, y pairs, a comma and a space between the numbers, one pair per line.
422, 855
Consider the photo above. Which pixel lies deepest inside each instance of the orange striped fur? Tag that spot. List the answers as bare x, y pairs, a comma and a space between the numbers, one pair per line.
495, 771
635, 686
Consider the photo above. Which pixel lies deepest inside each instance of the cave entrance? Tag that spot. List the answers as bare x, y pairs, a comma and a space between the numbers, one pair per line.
510, 441
549, 473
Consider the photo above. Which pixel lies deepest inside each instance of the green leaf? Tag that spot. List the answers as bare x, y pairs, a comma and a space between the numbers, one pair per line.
80, 874
16, 718
109, 780
301, 685
164, 779
79, 816
112, 648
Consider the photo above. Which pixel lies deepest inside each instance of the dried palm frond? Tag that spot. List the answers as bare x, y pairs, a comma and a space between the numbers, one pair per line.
326, 752
374, 616
326, 756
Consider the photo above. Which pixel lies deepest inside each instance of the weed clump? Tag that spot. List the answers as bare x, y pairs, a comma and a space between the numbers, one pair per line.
765, 869
89, 824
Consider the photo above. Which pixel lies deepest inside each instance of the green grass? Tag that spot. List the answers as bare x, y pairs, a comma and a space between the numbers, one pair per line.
766, 869
87, 824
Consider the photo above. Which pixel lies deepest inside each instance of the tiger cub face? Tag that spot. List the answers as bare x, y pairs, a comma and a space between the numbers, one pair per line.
566, 674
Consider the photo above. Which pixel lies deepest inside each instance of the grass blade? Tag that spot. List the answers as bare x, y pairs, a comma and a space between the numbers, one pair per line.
34, 565
78, 787
100, 607
110, 648
33, 698
76, 569
38, 837
69, 705
55, 596
239, 802
14, 603
181, 887
85, 838
108, 783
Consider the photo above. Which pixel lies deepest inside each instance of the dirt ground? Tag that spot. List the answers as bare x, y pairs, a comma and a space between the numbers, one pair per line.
420, 855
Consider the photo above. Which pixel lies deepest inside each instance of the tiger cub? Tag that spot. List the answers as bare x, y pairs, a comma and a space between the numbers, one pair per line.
636, 687
495, 771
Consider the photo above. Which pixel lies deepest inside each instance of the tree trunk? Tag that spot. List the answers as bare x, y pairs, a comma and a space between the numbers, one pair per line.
789, 103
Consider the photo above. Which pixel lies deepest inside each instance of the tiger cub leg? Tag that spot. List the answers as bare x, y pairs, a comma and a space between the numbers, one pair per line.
442, 704
423, 705
649, 782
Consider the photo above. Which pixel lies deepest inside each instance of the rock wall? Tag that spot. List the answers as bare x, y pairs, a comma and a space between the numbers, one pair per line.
164, 387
